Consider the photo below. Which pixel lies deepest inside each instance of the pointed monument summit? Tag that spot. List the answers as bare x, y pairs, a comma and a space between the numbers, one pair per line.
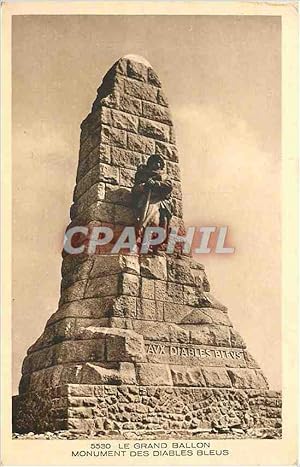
138, 343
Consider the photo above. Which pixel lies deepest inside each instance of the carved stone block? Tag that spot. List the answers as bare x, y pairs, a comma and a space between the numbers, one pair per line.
246, 378
156, 112
137, 71
211, 335
130, 104
124, 158
154, 374
153, 129
114, 264
147, 288
185, 376
125, 345
113, 136
101, 153
216, 377
129, 284
154, 267
102, 286
139, 90
140, 143
149, 310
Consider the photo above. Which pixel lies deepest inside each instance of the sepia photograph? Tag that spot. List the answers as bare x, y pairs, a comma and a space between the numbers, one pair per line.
147, 238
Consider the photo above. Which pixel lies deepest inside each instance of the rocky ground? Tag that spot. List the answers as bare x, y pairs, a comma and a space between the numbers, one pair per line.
235, 433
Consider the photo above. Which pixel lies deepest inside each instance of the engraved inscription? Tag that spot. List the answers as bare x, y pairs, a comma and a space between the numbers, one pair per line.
156, 349
192, 351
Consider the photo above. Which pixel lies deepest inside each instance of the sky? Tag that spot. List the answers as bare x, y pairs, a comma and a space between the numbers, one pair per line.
221, 75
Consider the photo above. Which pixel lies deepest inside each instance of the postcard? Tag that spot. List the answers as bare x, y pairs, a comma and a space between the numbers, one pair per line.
149, 217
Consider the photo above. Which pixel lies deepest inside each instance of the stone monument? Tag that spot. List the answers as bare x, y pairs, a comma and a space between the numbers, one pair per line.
138, 343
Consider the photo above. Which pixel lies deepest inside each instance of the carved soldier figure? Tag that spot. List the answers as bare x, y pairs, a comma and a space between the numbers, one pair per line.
151, 195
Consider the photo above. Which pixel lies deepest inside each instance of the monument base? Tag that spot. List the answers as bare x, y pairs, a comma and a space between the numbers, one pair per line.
104, 411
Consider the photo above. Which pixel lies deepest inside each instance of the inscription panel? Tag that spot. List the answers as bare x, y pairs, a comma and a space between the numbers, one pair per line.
194, 355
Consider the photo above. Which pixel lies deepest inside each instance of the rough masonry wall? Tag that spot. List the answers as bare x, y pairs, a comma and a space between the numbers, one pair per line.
153, 411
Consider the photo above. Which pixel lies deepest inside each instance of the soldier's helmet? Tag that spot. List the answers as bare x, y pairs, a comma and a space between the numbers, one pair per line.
156, 161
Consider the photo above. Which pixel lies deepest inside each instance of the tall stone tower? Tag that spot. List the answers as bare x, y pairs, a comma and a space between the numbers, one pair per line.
138, 343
